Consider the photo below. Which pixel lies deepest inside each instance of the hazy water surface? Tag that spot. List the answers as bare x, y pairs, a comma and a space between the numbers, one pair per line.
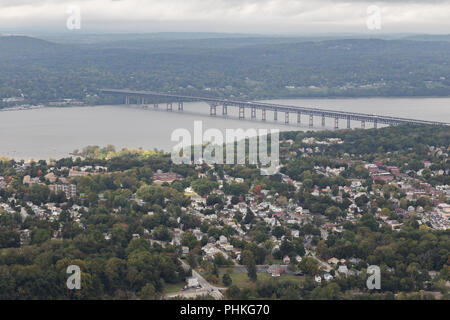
55, 132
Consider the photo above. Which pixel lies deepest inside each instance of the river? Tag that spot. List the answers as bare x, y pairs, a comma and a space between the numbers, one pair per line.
55, 132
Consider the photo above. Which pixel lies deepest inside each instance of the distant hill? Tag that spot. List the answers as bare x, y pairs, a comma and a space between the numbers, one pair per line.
23, 42
429, 37
239, 67
23, 45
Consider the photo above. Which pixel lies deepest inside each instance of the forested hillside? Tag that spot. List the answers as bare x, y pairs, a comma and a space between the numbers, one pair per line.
239, 67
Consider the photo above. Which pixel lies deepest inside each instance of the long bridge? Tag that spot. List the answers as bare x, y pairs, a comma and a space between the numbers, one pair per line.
143, 97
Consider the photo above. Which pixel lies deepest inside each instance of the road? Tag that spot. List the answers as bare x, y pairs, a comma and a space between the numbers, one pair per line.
207, 288
325, 266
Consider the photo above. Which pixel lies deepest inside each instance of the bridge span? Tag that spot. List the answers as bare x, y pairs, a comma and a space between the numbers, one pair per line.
142, 97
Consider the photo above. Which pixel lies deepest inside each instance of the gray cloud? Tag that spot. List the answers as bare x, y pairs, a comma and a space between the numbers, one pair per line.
292, 16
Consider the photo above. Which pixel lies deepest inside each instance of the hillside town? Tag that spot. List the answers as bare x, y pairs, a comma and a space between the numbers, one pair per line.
317, 222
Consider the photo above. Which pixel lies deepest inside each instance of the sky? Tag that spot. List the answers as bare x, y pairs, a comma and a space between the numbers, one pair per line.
232, 16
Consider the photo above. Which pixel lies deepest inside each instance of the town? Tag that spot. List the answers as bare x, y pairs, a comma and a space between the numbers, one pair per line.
225, 231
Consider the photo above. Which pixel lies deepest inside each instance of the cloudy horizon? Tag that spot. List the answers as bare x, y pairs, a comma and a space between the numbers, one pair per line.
232, 16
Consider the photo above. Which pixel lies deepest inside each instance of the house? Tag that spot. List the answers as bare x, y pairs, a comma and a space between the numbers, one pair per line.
444, 210
28, 180
343, 270
223, 240
70, 190
382, 176
184, 250
333, 261
275, 270
192, 283
168, 177
75, 173
50, 177
3, 183
198, 234
228, 247
394, 224
328, 277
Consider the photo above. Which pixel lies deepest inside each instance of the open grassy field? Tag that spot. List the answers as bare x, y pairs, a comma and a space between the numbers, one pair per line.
174, 287
241, 280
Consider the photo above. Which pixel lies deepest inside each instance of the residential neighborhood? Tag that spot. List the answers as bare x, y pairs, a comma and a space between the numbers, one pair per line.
317, 222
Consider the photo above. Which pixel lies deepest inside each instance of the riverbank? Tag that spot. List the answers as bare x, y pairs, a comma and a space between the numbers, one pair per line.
54, 132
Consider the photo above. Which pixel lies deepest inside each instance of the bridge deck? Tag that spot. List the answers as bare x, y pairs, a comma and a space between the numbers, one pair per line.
276, 107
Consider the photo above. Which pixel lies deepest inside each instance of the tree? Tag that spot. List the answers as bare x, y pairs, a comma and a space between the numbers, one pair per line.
162, 233
249, 216
39, 236
191, 260
251, 268
219, 260
148, 292
331, 291
333, 212
226, 279
38, 194
248, 260
310, 266
233, 292
188, 239
322, 249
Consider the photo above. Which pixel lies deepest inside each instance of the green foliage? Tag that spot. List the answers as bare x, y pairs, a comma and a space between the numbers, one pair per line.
255, 67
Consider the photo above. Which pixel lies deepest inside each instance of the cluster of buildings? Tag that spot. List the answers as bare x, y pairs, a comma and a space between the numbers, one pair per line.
266, 206
56, 184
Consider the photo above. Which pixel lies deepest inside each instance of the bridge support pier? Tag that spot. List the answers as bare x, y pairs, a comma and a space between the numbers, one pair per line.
275, 115
336, 123
286, 117
212, 110
241, 112
299, 118
224, 110
143, 98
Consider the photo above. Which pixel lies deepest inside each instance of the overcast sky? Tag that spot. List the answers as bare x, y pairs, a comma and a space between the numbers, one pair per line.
243, 16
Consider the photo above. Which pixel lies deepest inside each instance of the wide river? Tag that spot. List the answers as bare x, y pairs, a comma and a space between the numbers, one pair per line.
56, 132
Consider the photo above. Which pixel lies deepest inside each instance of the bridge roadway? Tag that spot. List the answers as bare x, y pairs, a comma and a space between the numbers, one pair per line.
142, 96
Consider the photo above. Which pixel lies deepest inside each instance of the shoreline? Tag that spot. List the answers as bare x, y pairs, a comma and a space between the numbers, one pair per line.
43, 106
13, 152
